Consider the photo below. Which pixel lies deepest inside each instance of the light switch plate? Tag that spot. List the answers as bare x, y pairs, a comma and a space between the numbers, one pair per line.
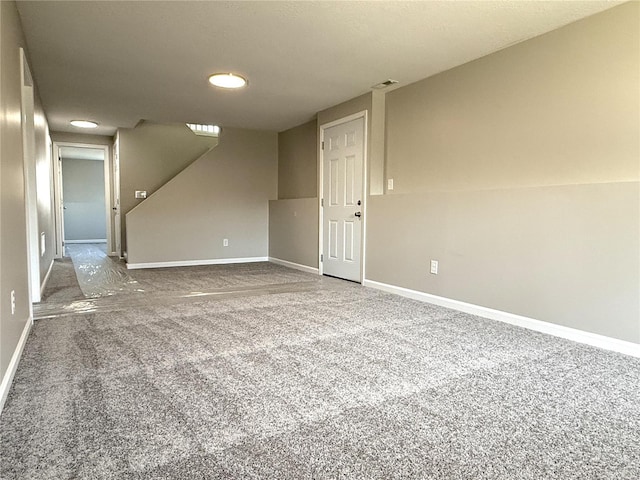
141, 194
434, 267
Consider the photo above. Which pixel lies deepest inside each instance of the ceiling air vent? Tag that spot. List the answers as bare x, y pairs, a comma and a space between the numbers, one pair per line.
204, 130
385, 84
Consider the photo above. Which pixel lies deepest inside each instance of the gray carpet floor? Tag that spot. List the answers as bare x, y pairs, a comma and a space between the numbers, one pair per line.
334, 381
91, 281
62, 286
102, 276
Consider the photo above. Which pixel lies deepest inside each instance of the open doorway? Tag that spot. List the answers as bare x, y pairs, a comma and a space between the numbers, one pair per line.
83, 195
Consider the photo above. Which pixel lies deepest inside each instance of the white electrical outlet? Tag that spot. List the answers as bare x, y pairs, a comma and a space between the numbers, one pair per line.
225, 242
390, 184
13, 302
434, 267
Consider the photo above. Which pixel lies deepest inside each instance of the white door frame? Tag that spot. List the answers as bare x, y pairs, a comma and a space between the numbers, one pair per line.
27, 116
365, 188
58, 220
115, 199
58, 194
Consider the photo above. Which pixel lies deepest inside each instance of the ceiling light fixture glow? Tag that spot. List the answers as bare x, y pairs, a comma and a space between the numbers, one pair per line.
227, 80
83, 124
204, 130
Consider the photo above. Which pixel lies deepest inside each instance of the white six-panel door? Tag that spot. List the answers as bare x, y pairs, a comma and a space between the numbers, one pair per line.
342, 157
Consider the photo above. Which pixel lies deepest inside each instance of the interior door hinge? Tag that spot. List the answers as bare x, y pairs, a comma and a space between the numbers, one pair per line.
322, 257
322, 145
322, 202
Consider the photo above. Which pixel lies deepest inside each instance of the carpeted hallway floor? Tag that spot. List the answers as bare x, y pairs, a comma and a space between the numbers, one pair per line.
311, 378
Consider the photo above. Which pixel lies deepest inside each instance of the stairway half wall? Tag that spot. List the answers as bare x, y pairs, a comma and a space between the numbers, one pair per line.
224, 194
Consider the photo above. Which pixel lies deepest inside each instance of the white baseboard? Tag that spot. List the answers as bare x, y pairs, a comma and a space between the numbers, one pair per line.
580, 336
46, 279
193, 263
5, 386
91, 240
297, 266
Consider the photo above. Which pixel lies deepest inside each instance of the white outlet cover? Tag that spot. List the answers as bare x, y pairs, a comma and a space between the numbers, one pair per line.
434, 267
390, 184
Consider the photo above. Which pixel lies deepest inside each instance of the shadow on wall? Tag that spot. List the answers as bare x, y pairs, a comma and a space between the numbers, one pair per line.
223, 195
152, 154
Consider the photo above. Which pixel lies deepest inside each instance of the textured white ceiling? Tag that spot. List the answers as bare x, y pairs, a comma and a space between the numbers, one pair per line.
120, 62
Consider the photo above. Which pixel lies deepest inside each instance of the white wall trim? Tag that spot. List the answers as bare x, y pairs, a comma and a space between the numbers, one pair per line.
46, 278
580, 336
5, 386
192, 263
297, 266
90, 240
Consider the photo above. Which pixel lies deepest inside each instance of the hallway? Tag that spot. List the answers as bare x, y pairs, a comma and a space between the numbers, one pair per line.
98, 274
88, 280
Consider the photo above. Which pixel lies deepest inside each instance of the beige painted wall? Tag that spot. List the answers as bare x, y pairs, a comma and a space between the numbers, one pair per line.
355, 105
223, 194
44, 183
13, 256
561, 254
68, 137
293, 230
13, 246
298, 162
293, 219
377, 143
559, 109
152, 154
519, 173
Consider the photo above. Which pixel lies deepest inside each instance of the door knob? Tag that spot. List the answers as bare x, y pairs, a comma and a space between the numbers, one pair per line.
358, 214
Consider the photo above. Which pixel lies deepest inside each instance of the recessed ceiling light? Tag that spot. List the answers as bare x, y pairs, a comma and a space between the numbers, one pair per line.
227, 80
83, 124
